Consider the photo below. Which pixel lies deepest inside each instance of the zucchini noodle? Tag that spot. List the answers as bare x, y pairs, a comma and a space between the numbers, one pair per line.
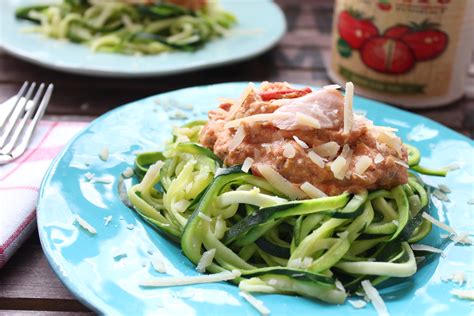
278, 244
127, 28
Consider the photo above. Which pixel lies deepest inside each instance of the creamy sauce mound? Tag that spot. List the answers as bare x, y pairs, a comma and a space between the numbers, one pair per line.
300, 134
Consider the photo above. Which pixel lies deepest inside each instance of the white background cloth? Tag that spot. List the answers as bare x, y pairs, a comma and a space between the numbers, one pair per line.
20, 181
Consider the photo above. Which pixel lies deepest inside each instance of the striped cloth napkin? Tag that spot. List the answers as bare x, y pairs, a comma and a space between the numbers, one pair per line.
20, 181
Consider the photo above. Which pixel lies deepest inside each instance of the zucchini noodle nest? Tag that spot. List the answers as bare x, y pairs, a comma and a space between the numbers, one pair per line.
119, 27
304, 247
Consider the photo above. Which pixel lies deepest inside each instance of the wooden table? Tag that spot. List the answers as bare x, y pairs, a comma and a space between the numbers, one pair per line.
27, 283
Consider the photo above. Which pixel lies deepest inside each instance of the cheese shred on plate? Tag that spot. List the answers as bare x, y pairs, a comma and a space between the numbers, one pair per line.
312, 191
247, 164
375, 298
438, 223
262, 309
85, 225
199, 279
238, 138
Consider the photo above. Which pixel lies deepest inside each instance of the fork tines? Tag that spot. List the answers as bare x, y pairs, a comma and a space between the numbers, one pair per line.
21, 118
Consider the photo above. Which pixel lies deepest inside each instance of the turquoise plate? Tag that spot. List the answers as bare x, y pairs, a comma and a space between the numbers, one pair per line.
103, 270
261, 24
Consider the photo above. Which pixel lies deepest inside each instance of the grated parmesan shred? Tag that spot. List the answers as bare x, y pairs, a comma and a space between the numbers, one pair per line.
158, 264
440, 195
206, 260
348, 115
238, 138
312, 191
307, 120
300, 142
258, 118
85, 225
378, 158
463, 294
438, 223
247, 164
327, 150
421, 247
279, 182
375, 298
457, 277
363, 163
257, 304
358, 304
318, 160
188, 280
104, 154
289, 151
249, 89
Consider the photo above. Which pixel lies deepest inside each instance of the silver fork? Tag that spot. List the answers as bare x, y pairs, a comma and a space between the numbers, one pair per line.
17, 125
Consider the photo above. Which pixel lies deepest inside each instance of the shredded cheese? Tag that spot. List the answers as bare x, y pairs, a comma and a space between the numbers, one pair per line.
327, 150
300, 142
307, 120
444, 188
279, 182
462, 238
438, 223
318, 160
249, 89
338, 167
258, 118
200, 279
257, 304
127, 173
107, 220
421, 247
247, 164
238, 138
440, 195
312, 191
85, 225
375, 298
348, 115
401, 163
457, 277
362, 164
464, 294
378, 158
158, 264
289, 151
357, 303
181, 205
104, 154
206, 260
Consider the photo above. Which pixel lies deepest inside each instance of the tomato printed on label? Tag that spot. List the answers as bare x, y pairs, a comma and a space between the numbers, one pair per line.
355, 29
387, 55
427, 44
396, 31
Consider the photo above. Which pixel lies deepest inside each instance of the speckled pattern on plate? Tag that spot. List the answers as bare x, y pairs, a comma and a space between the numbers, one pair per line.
86, 263
261, 24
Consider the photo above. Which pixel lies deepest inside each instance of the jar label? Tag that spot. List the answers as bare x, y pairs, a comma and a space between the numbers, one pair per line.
399, 47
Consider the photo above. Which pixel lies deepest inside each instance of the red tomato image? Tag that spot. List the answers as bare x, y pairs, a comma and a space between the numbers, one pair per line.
387, 55
427, 44
355, 29
397, 31
426, 41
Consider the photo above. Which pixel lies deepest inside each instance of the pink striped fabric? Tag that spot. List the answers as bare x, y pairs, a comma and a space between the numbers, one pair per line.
20, 180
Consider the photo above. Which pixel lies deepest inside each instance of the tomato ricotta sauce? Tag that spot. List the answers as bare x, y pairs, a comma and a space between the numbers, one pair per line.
300, 134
